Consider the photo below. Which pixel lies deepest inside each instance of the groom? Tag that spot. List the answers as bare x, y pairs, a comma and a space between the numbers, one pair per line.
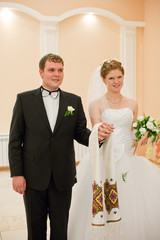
41, 151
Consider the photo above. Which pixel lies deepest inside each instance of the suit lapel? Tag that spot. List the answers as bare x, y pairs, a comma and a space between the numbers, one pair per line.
39, 105
62, 109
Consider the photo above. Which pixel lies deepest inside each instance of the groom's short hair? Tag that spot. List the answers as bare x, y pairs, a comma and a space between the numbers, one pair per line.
50, 57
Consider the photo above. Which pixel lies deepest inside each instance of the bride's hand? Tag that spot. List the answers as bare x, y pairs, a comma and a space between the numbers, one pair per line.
104, 130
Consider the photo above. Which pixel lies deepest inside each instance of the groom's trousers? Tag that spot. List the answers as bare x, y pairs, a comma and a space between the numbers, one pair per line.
52, 203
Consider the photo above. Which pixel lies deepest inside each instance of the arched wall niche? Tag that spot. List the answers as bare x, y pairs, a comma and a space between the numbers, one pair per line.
49, 36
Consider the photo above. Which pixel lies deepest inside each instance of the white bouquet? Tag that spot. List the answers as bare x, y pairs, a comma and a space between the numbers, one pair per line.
146, 125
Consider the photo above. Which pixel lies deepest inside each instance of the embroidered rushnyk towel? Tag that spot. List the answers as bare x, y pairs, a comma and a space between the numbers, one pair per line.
105, 207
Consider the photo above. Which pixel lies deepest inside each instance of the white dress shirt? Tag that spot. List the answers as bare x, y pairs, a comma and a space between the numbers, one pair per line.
51, 105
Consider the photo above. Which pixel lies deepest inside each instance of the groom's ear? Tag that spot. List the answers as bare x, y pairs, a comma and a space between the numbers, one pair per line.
41, 72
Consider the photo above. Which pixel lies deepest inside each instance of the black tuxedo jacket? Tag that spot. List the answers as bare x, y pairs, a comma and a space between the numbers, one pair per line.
36, 152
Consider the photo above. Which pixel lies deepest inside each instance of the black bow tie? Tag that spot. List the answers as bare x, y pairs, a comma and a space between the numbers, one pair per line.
46, 92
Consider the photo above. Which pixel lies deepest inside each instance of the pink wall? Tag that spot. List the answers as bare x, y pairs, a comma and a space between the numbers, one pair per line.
19, 56
151, 59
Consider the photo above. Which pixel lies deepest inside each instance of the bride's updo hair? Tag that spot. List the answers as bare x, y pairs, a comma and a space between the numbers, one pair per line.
110, 65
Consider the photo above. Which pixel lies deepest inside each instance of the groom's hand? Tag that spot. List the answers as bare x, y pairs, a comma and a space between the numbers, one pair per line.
104, 130
19, 184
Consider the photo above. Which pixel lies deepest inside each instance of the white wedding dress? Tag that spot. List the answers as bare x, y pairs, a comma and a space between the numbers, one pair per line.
139, 194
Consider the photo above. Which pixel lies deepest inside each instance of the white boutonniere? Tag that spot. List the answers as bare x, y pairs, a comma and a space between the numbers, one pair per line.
69, 111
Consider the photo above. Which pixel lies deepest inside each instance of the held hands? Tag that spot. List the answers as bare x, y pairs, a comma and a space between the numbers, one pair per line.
104, 130
19, 184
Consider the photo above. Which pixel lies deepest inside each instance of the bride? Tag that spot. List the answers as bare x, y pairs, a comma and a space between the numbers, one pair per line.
137, 179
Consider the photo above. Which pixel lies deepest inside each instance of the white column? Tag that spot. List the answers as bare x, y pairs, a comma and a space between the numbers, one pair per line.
49, 37
128, 58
